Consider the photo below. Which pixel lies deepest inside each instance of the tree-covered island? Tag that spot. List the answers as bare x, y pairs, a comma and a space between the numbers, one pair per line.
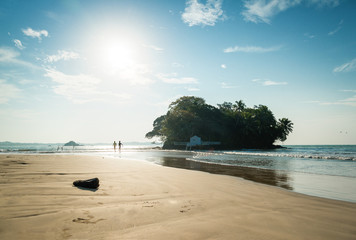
233, 124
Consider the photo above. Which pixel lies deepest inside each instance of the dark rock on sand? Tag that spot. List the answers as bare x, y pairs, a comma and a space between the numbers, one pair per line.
89, 183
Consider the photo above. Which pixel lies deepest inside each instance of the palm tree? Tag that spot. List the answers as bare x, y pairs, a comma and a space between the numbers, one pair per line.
240, 105
285, 127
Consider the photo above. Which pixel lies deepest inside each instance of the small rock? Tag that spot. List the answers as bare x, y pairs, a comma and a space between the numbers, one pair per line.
89, 183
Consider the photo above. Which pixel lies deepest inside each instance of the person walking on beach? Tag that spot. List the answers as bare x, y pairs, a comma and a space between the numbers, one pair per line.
114, 144
120, 144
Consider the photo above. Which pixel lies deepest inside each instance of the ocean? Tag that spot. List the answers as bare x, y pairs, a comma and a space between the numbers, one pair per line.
327, 171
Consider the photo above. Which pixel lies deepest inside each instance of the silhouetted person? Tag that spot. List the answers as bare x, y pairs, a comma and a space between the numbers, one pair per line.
114, 144
120, 144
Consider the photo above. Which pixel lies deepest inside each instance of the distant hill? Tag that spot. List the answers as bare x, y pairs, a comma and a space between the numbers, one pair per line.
71, 143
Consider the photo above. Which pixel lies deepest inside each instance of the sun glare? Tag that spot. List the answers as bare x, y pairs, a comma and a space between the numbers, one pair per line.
112, 53
116, 55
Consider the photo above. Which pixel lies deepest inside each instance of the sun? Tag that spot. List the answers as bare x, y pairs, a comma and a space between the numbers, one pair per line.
116, 55
113, 53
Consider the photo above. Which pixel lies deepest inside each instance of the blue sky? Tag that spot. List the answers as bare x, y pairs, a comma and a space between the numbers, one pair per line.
98, 71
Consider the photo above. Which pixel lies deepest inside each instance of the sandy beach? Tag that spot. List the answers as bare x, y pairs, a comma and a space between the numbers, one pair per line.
140, 200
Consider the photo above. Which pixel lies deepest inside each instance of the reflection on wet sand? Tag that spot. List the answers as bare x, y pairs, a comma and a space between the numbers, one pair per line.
266, 176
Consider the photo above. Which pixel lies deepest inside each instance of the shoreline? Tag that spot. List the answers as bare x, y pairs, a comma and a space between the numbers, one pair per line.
293, 181
337, 187
258, 175
141, 200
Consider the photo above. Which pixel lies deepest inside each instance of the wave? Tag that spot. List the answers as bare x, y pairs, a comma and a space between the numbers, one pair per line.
342, 152
7, 147
342, 157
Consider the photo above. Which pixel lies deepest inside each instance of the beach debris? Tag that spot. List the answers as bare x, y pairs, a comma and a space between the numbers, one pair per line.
87, 220
89, 183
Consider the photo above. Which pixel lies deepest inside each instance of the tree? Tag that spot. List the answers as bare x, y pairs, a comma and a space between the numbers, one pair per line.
266, 126
240, 106
285, 126
233, 121
157, 126
189, 116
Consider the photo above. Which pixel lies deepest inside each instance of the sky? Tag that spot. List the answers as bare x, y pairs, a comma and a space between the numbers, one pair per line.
99, 71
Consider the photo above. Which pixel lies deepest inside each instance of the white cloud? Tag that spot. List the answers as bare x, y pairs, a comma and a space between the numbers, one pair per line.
80, 88
136, 74
223, 66
349, 90
62, 55
346, 67
173, 79
9, 56
182, 80
153, 47
26, 81
267, 82
18, 44
272, 83
8, 91
227, 85
251, 49
351, 101
311, 102
333, 32
263, 10
308, 35
35, 34
191, 89
177, 65
197, 13
348, 102
324, 3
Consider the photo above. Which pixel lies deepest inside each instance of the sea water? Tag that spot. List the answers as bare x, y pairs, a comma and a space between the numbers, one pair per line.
319, 170
327, 171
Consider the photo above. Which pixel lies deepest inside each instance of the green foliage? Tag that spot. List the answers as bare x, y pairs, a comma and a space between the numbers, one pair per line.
157, 126
233, 124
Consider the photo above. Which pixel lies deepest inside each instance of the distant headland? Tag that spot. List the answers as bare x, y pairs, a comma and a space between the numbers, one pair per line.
71, 144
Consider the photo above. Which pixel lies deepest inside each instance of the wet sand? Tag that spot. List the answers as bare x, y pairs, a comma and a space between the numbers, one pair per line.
265, 176
140, 200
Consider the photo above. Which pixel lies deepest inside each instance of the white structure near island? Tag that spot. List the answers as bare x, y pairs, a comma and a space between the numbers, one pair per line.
195, 141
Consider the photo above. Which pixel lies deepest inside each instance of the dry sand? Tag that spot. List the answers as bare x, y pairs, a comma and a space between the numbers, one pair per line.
139, 200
